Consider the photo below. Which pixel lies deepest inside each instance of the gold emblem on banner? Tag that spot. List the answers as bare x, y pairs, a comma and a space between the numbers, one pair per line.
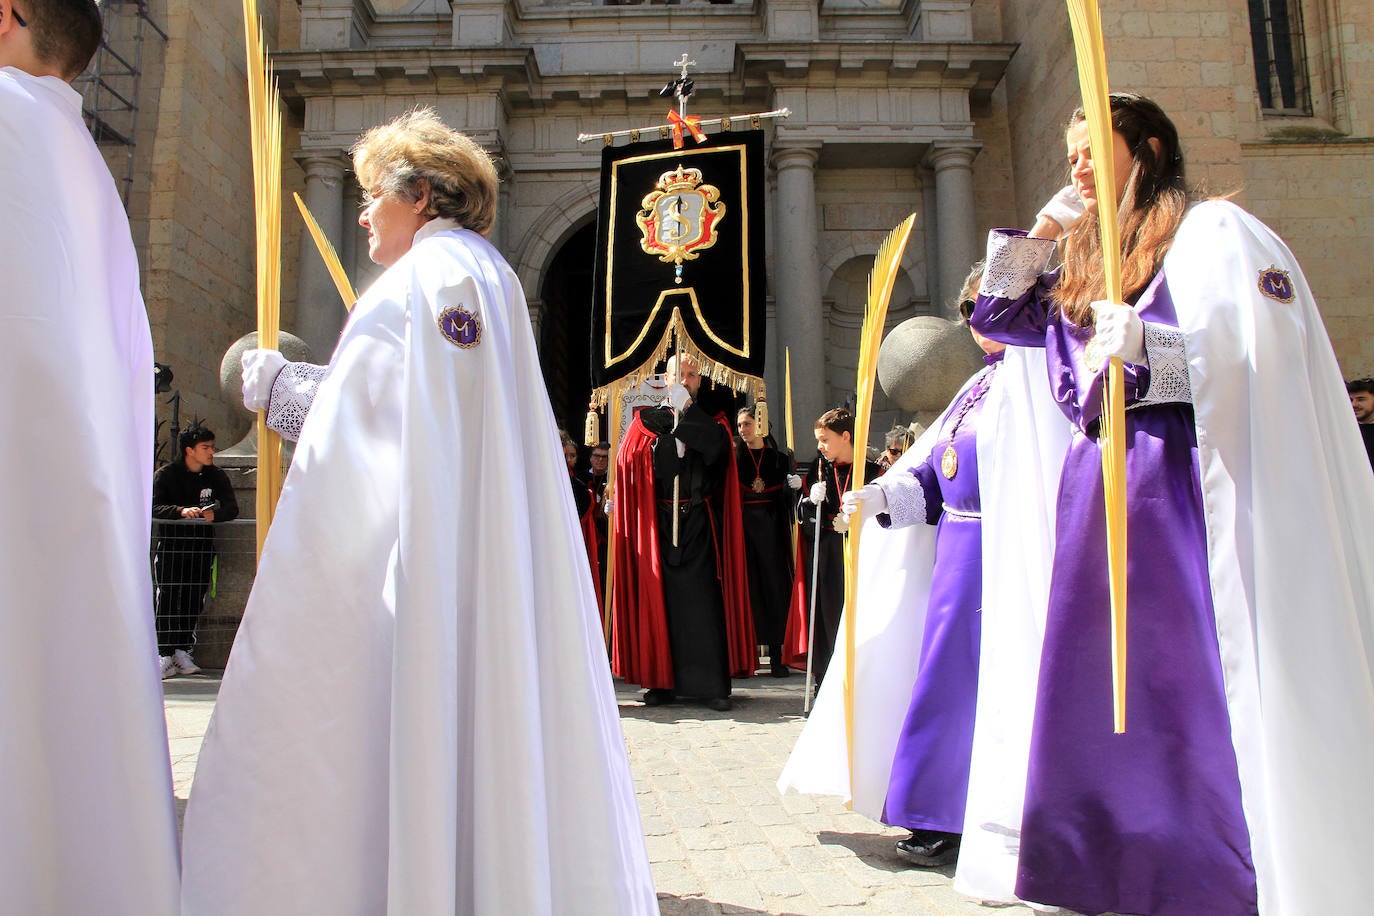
679, 218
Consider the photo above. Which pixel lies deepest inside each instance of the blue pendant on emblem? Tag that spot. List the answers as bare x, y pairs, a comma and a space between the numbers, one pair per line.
460, 327
1276, 284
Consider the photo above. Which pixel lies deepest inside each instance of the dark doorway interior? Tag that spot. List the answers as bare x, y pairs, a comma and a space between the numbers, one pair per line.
565, 338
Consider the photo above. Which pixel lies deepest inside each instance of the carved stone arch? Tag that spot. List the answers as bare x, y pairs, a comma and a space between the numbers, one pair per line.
551, 228
913, 266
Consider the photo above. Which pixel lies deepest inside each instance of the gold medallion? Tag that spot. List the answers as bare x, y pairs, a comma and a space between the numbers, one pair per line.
949, 462
758, 485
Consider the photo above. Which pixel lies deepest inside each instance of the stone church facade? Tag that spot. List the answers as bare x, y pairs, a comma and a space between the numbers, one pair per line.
949, 108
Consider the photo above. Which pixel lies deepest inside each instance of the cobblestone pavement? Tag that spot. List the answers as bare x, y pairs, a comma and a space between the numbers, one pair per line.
720, 838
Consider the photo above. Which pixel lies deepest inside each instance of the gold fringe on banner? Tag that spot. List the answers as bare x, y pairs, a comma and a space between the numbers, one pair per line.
676, 338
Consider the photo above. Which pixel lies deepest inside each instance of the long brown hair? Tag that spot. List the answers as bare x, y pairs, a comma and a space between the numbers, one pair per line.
1151, 210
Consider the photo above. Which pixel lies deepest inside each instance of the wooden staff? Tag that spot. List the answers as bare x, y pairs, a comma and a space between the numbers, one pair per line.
1092, 82
880, 283
613, 408
265, 124
791, 434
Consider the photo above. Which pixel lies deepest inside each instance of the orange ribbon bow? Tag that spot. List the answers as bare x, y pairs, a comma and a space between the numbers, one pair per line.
691, 122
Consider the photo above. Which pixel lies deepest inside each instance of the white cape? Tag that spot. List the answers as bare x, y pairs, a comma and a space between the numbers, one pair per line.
895, 567
1018, 472
1289, 505
418, 714
87, 819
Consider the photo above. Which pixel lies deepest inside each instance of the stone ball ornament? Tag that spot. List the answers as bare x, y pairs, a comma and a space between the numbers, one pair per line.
231, 390
231, 367
923, 361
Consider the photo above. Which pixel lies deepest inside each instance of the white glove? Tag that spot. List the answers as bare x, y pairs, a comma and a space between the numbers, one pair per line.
1065, 208
678, 396
260, 369
869, 501
817, 495
607, 506
794, 481
1118, 331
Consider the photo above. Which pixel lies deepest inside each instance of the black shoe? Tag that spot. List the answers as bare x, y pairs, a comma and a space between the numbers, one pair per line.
781, 670
930, 848
719, 704
657, 696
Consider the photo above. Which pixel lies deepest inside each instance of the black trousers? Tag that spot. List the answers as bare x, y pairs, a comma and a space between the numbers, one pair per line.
181, 580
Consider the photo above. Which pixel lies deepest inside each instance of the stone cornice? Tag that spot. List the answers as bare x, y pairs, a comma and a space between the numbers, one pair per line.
361, 71
977, 65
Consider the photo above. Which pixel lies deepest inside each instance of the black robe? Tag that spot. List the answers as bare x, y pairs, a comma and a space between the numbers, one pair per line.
692, 596
830, 576
766, 509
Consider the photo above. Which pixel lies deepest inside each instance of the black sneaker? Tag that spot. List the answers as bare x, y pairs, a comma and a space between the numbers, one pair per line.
930, 848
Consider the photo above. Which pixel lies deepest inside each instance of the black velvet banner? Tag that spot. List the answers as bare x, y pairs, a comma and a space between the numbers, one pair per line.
680, 233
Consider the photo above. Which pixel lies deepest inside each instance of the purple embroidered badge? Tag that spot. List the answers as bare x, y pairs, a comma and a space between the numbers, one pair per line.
461, 327
1276, 284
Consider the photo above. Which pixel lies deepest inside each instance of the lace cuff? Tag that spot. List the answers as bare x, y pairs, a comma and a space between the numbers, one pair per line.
1014, 264
906, 500
292, 394
1166, 353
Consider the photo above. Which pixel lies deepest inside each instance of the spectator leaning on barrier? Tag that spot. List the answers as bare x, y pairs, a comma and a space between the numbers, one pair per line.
192, 492
1361, 391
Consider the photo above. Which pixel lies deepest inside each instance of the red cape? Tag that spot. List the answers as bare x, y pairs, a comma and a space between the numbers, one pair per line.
796, 643
588, 522
640, 651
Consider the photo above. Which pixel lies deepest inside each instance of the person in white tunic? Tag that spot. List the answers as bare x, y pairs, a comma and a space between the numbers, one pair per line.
455, 747
87, 818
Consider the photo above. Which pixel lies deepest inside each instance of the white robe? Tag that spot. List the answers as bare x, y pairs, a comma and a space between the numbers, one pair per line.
1289, 508
1289, 505
87, 818
418, 714
895, 568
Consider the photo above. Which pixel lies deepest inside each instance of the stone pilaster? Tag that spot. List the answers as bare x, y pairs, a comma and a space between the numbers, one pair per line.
319, 311
797, 282
954, 218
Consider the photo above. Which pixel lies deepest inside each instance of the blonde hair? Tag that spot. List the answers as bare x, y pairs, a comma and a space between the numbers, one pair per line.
417, 153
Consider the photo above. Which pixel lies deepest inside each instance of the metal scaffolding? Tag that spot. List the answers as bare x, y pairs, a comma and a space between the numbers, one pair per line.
109, 87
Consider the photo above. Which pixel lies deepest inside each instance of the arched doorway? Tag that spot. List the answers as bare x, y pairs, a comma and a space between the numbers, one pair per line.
565, 331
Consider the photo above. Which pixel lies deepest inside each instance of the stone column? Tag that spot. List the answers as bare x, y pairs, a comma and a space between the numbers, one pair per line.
797, 284
955, 226
319, 311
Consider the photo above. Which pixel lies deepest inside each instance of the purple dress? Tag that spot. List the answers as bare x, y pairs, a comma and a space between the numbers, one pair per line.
1148, 822
929, 782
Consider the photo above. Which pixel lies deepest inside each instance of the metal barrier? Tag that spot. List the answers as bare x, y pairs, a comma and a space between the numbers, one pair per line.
202, 574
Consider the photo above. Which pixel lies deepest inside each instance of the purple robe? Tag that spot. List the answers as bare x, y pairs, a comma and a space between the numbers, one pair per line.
1148, 822
929, 783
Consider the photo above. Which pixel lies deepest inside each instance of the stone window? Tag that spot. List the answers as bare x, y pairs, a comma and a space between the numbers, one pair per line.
1280, 57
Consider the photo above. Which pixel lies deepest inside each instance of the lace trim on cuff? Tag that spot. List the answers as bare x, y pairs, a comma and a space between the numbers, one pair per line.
293, 392
1014, 265
1166, 353
906, 500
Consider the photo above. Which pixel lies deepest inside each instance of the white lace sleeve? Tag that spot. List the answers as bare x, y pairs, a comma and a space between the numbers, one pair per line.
1166, 353
1014, 263
906, 500
292, 394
